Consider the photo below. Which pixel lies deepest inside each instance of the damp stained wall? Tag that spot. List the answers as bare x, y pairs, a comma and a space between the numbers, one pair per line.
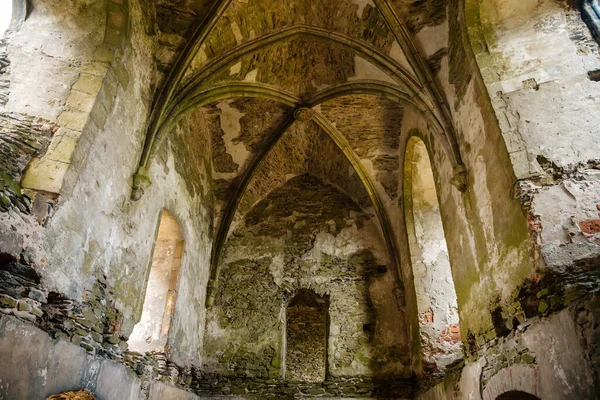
322, 242
95, 230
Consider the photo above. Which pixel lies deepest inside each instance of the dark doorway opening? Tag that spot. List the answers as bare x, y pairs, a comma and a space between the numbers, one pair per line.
517, 395
307, 332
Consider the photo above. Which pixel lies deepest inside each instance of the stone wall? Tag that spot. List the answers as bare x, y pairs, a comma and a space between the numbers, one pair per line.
538, 64
36, 366
543, 358
434, 286
516, 180
215, 387
487, 95
306, 338
322, 242
90, 231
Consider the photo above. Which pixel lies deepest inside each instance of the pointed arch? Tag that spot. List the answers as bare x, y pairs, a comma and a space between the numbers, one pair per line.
222, 91
152, 330
423, 84
437, 305
247, 89
364, 176
306, 337
180, 98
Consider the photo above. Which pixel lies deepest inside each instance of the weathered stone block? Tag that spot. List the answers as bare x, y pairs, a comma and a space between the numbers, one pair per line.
81, 101
37, 295
63, 145
112, 37
74, 120
7, 301
22, 305
98, 68
104, 54
44, 174
88, 83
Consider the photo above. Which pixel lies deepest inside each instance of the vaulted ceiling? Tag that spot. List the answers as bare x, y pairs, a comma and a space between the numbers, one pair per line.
297, 87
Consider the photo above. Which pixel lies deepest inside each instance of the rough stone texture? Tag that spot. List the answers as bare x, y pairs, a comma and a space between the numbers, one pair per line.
315, 243
244, 21
306, 338
550, 143
83, 243
61, 366
21, 139
304, 149
514, 167
319, 64
216, 387
371, 126
436, 296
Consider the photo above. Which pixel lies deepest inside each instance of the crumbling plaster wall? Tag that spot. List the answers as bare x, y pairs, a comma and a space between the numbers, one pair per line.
538, 61
245, 21
36, 366
68, 47
321, 242
489, 251
96, 231
434, 286
71, 35
545, 359
507, 285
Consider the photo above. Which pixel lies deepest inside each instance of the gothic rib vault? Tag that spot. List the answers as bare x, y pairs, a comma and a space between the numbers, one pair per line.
284, 199
394, 70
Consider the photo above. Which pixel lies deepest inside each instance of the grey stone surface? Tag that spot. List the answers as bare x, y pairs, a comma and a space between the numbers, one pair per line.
498, 90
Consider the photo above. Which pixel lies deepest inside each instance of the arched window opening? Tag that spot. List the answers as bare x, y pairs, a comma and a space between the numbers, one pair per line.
12, 14
517, 395
151, 332
306, 336
6, 14
434, 286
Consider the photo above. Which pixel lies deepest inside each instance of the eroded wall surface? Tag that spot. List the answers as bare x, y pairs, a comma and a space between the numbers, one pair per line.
84, 241
526, 56
515, 175
322, 242
37, 366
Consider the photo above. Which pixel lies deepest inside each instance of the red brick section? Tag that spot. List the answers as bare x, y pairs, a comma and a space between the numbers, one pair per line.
451, 334
427, 318
591, 226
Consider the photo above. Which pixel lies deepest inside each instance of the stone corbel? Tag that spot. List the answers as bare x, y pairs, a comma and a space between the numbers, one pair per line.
461, 178
211, 292
398, 292
141, 182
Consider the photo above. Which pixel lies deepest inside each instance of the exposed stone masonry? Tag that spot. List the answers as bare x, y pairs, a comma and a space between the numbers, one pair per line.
502, 94
93, 324
352, 278
306, 338
260, 388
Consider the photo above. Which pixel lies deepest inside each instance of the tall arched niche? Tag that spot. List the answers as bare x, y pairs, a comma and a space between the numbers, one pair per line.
434, 286
152, 331
306, 337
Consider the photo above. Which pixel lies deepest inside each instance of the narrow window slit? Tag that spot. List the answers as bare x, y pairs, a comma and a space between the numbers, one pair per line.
152, 331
